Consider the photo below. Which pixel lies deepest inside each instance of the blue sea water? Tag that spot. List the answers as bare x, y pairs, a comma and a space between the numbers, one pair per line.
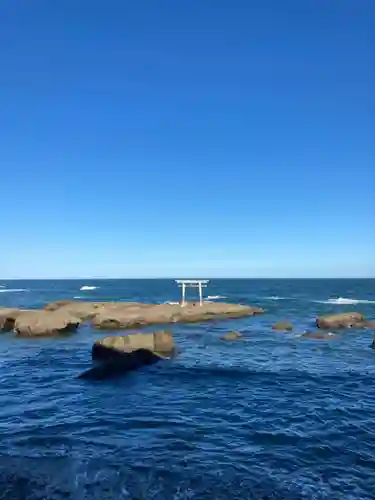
273, 416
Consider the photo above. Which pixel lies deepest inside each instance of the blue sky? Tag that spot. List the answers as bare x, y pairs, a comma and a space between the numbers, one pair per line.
199, 138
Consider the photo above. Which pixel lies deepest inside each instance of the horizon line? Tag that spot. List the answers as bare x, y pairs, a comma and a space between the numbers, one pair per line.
190, 277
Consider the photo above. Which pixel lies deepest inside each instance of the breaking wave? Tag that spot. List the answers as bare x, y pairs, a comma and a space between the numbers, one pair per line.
346, 301
13, 290
215, 297
87, 287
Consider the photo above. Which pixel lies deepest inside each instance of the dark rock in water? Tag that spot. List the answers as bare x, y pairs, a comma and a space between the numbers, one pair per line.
44, 323
344, 320
319, 335
283, 326
110, 347
373, 343
231, 336
120, 365
123, 353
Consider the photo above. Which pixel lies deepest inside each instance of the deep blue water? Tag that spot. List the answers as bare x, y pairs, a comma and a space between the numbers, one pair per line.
272, 416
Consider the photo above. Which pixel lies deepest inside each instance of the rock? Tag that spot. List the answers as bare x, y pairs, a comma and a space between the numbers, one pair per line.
373, 343
160, 343
8, 318
54, 306
369, 324
282, 326
344, 320
120, 354
134, 315
231, 336
44, 323
319, 335
114, 367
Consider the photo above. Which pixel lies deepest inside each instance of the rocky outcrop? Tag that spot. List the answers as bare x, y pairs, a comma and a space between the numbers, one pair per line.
8, 318
135, 315
319, 335
121, 354
160, 343
343, 320
231, 336
44, 323
282, 326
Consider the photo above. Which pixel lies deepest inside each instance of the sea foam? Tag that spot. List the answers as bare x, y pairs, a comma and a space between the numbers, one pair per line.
345, 301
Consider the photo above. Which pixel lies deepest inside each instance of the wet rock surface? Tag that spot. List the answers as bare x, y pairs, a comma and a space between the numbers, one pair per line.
282, 326
343, 320
319, 335
232, 336
44, 323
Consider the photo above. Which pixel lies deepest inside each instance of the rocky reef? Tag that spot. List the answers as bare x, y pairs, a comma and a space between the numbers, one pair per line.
65, 316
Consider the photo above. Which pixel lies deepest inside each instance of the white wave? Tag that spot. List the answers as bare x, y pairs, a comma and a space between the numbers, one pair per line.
14, 290
171, 303
345, 301
215, 297
87, 287
276, 297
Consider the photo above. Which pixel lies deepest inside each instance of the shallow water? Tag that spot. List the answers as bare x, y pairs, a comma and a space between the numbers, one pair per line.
270, 416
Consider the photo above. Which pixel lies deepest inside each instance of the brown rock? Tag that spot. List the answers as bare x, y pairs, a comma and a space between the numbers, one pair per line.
8, 318
231, 336
344, 320
369, 324
283, 326
319, 335
160, 343
135, 315
44, 323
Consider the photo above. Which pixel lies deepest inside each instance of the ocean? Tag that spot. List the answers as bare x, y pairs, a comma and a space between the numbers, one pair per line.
272, 416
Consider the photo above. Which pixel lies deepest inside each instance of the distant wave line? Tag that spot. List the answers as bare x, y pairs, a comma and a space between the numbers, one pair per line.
345, 301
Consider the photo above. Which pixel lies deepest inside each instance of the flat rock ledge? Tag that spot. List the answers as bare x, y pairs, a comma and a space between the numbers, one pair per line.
65, 316
120, 354
135, 315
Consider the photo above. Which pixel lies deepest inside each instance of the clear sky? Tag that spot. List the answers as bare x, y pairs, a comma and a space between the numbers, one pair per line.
191, 138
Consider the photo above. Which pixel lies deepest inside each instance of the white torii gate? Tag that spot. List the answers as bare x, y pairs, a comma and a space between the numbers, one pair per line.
193, 284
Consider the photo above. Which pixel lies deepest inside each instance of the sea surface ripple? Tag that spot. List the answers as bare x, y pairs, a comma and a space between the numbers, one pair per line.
272, 416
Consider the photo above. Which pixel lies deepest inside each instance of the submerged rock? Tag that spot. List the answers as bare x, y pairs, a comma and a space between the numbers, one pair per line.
44, 323
231, 336
282, 326
343, 320
373, 343
319, 335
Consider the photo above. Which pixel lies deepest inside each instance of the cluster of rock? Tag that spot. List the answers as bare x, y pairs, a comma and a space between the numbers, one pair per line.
66, 316
331, 322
